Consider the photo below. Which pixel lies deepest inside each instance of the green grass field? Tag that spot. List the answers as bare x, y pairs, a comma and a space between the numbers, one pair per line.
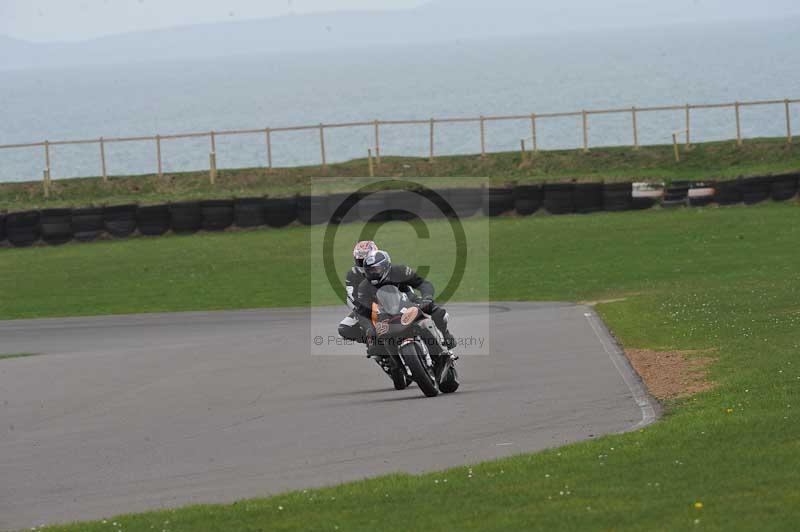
704, 161
717, 278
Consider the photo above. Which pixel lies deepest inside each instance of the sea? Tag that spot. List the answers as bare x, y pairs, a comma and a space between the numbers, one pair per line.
697, 64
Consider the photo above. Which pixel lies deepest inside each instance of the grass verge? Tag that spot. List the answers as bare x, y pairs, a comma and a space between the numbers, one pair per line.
693, 279
704, 161
17, 355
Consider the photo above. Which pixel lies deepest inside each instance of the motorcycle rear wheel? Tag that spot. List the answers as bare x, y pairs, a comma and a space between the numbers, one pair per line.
415, 360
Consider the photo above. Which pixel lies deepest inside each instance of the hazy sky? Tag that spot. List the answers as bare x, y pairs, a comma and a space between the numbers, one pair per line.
52, 20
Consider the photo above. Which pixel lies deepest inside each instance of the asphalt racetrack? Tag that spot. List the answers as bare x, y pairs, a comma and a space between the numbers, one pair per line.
130, 413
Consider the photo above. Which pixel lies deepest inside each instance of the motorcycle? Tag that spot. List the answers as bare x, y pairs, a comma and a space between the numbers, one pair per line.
414, 346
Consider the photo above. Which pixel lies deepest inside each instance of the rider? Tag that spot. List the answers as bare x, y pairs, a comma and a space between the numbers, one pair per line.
379, 271
349, 327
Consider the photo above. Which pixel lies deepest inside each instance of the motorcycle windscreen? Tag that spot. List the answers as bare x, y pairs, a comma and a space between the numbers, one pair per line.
390, 299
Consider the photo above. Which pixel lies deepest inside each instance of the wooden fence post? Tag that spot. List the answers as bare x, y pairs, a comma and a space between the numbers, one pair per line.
483, 139
523, 154
738, 126
158, 156
675, 147
268, 137
788, 122
377, 142
688, 127
46, 172
635, 129
322, 146
431, 140
369, 162
535, 146
103, 159
212, 160
585, 131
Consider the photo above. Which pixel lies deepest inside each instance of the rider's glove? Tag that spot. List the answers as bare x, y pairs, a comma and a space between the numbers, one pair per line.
426, 305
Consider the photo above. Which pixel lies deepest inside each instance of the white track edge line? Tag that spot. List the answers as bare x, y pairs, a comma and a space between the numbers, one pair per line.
626, 371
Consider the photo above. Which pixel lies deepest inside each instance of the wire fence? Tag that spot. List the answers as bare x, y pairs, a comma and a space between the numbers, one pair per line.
377, 126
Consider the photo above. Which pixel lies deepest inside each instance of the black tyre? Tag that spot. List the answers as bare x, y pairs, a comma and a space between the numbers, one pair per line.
187, 217
784, 187
403, 205
558, 198
2, 227
312, 210
373, 207
465, 202
248, 212
617, 196
497, 201
755, 189
56, 226
217, 214
120, 220
429, 209
154, 220
587, 197
87, 224
676, 194
527, 199
343, 208
399, 378
280, 212
22, 228
728, 192
450, 382
422, 375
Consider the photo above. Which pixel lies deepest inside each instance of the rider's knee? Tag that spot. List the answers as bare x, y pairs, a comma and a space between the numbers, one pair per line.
439, 315
348, 332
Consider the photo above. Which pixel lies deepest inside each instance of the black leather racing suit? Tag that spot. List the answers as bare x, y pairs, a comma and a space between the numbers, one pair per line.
407, 280
349, 327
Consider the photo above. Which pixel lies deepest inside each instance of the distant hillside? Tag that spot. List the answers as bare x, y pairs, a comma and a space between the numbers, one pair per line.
439, 20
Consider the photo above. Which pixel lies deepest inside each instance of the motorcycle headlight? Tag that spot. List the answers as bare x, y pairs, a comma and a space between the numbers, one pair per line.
409, 316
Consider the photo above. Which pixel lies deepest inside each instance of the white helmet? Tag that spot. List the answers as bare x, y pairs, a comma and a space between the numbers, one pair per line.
363, 249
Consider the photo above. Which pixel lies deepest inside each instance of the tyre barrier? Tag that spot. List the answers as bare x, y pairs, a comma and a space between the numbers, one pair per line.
120, 220
87, 224
403, 205
676, 194
728, 193
527, 199
56, 226
465, 201
347, 202
248, 212
22, 228
186, 217
645, 195
428, 208
312, 210
373, 207
280, 212
154, 220
755, 189
497, 201
217, 214
587, 197
558, 198
783, 187
701, 194
617, 196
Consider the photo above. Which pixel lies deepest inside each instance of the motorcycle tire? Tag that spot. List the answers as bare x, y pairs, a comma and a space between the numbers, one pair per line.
414, 359
450, 382
398, 376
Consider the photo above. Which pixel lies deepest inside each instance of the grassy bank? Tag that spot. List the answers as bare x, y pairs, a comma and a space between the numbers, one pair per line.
703, 161
720, 279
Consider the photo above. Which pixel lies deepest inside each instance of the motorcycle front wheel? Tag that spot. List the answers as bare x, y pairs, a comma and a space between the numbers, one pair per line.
414, 358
